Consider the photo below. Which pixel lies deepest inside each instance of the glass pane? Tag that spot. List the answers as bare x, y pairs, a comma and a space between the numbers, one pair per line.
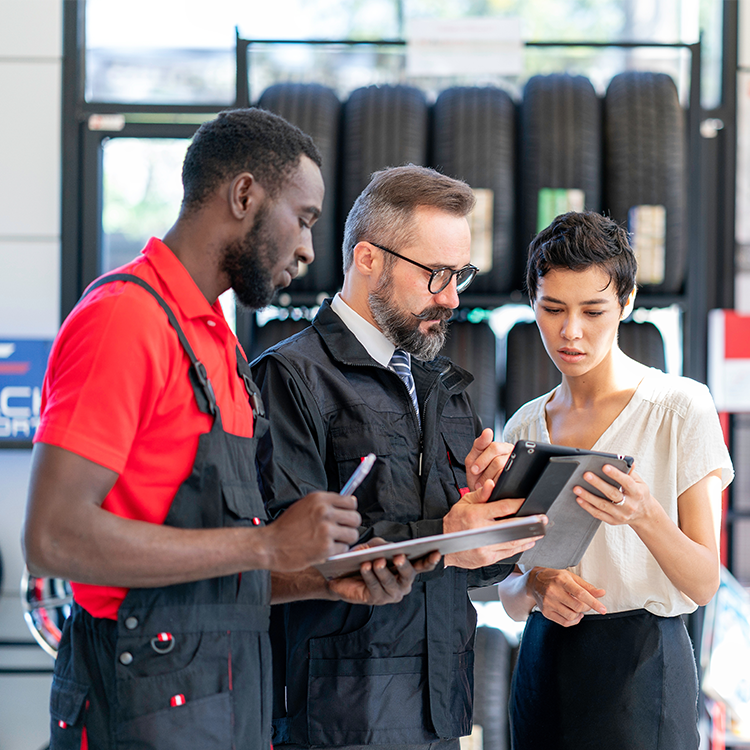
345, 68
554, 20
577, 20
712, 51
142, 194
151, 51
172, 59
176, 76
341, 67
321, 19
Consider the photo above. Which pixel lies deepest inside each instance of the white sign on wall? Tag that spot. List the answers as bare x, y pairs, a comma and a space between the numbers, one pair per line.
464, 46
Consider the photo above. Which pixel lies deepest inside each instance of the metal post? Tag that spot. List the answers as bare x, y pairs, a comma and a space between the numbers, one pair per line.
72, 96
696, 308
242, 91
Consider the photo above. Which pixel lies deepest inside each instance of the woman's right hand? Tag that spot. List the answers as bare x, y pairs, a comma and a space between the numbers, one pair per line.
562, 596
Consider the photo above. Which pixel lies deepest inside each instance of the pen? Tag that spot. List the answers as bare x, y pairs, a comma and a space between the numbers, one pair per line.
359, 474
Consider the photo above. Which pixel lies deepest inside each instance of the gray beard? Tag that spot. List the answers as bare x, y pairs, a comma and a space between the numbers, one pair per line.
401, 328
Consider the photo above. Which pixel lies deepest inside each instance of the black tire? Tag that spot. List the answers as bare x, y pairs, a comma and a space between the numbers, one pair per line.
561, 145
492, 673
472, 346
644, 343
646, 161
473, 137
315, 110
529, 371
384, 126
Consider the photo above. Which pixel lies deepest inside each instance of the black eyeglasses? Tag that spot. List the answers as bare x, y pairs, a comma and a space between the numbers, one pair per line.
440, 277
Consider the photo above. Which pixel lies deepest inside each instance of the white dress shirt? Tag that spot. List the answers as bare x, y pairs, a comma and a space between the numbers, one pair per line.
373, 340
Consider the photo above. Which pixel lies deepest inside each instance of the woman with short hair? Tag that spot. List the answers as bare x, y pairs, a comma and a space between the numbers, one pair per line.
605, 659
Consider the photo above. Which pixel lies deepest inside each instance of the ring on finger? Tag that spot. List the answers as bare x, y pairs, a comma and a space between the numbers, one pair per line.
621, 500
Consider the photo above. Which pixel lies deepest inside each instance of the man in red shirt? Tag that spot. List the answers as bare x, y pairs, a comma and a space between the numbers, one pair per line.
144, 489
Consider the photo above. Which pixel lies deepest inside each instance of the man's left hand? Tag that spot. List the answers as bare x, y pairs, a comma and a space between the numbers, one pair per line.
378, 584
486, 459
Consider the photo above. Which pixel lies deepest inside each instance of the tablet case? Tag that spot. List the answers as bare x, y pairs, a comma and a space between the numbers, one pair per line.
570, 528
526, 463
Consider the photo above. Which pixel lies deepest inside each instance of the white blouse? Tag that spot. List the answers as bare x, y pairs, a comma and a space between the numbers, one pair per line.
671, 428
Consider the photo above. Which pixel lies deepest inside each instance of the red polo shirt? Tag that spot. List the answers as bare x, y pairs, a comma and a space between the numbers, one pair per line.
117, 391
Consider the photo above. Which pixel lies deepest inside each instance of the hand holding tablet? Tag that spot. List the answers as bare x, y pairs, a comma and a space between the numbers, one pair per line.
528, 462
545, 475
457, 541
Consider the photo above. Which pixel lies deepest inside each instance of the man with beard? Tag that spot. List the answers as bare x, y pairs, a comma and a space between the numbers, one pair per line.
364, 377
144, 489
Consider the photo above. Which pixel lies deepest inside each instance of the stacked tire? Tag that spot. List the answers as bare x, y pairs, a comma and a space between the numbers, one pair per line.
646, 173
493, 665
473, 135
384, 126
472, 346
315, 110
561, 153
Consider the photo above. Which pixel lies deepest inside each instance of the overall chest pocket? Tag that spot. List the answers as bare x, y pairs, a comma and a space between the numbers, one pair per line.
349, 446
383, 493
243, 503
243, 506
457, 441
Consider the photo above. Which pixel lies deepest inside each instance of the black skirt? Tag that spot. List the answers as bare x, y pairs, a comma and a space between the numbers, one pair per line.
625, 681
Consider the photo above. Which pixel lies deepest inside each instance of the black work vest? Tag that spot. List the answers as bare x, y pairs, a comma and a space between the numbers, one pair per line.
186, 666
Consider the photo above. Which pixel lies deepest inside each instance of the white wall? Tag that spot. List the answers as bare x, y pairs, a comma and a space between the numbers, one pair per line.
30, 84
30, 75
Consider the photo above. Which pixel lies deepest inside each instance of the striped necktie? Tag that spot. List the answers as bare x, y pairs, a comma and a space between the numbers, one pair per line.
401, 364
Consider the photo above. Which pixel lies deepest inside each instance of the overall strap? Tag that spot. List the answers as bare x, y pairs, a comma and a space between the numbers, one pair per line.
253, 392
204, 391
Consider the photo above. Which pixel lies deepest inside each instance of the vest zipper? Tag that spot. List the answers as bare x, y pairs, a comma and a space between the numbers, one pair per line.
429, 393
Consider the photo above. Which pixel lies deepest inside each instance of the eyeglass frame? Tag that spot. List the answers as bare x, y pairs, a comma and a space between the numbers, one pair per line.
435, 271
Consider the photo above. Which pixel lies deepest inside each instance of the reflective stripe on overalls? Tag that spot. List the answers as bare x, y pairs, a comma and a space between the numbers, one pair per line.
186, 666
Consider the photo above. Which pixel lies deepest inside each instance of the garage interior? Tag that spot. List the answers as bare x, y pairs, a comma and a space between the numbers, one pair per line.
635, 108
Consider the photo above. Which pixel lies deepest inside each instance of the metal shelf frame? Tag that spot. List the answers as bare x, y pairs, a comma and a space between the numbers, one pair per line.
82, 198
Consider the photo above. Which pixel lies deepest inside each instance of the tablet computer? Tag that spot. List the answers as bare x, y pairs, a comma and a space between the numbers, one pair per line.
503, 531
527, 462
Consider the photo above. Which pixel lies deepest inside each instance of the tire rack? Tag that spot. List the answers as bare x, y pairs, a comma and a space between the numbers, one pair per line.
693, 299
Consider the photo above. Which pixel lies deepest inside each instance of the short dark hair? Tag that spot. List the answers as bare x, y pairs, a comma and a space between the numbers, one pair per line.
243, 140
577, 241
384, 210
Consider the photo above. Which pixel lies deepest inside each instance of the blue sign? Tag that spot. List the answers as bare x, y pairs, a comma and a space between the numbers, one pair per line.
22, 366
